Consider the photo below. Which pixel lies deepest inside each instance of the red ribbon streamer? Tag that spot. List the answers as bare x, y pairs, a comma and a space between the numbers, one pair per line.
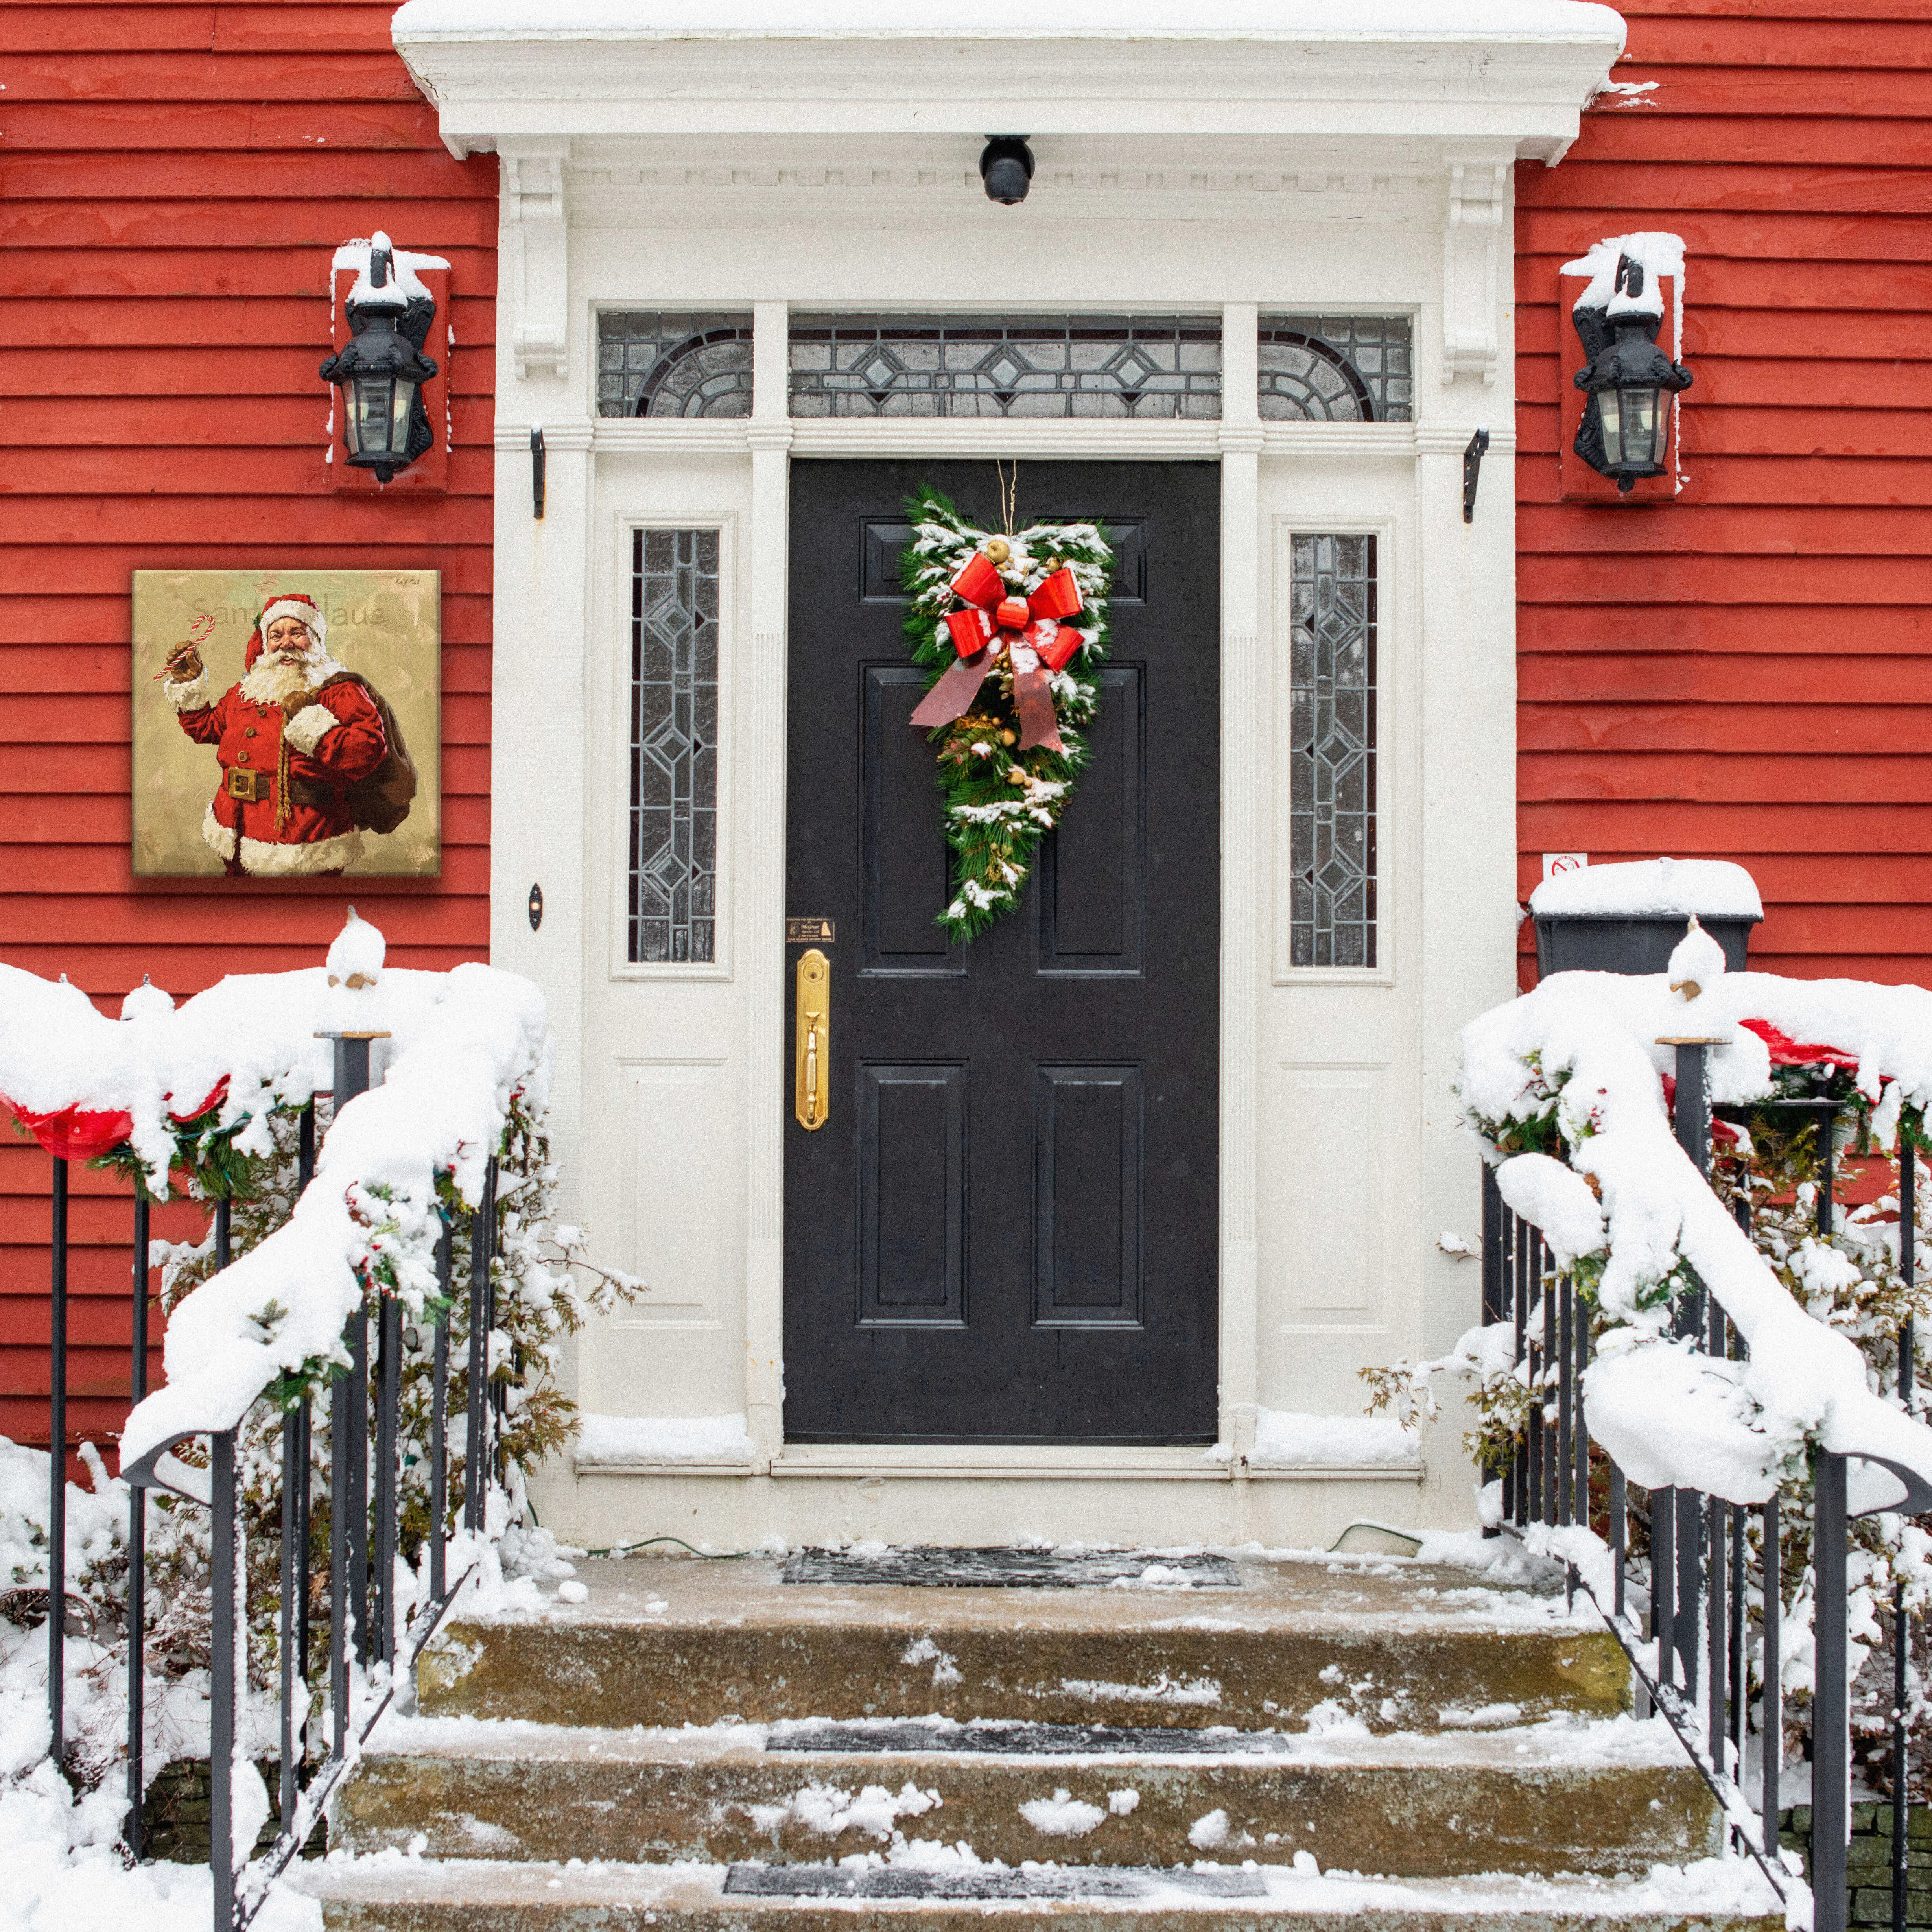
83, 1133
1027, 629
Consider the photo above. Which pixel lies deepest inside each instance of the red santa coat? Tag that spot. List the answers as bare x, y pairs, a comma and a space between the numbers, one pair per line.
334, 739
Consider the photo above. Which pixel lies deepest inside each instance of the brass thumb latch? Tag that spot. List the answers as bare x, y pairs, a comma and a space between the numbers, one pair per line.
813, 1040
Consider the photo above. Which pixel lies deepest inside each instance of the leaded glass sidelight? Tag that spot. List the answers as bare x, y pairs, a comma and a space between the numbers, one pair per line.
673, 364
1331, 759
673, 752
1337, 368
1147, 368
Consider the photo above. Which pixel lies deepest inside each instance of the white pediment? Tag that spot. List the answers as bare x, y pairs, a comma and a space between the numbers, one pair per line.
1512, 73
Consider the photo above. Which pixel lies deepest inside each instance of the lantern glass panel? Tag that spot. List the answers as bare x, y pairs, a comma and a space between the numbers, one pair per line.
404, 401
370, 415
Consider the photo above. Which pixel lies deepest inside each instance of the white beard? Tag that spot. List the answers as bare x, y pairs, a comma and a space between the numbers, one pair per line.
272, 680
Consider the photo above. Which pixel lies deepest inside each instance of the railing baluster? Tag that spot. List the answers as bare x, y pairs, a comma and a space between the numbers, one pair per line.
1566, 1389
1619, 1533
305, 1425
439, 1406
1830, 1736
1716, 1624
291, 1677
473, 1408
228, 1617
1901, 1623
498, 1393
1580, 1428
1662, 1579
1770, 1566
389, 1400
57, 1478
137, 1544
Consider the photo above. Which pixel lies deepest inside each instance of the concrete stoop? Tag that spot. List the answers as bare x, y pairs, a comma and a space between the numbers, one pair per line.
699, 1745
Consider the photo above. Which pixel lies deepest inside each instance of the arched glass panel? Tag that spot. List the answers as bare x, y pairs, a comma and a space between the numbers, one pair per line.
1330, 368
653, 364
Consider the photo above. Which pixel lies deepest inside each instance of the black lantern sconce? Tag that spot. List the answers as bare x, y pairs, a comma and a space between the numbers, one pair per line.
382, 369
1629, 380
1006, 166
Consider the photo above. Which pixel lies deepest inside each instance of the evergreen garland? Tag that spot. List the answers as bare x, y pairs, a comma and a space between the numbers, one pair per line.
998, 799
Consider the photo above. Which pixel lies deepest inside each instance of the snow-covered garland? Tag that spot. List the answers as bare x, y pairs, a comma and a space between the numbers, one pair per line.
1001, 790
1567, 1092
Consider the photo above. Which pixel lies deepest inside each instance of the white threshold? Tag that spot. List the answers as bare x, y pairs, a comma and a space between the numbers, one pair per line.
1011, 1462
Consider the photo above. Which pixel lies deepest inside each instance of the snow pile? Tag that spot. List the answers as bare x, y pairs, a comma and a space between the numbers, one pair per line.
1713, 888
459, 1048
627, 1441
1285, 1439
1579, 1056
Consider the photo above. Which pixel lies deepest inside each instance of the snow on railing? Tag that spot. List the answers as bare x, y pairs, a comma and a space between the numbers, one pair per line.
1576, 1069
456, 1047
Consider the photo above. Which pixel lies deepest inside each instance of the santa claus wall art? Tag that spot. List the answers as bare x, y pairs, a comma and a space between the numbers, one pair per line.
286, 723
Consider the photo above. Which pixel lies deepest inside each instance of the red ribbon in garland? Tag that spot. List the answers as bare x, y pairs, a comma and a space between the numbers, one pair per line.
1028, 630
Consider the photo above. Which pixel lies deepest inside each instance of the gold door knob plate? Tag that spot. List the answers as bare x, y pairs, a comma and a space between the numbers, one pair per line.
812, 1043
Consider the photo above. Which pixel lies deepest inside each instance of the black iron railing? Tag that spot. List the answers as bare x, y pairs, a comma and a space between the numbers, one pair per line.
368, 1651
1688, 1641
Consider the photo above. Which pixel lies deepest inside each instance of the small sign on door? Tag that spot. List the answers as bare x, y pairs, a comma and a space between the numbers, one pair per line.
808, 932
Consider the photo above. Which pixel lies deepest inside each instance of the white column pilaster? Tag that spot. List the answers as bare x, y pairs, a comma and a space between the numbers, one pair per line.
762, 701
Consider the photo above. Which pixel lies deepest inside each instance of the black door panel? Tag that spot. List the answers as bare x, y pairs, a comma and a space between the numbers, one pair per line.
1007, 1230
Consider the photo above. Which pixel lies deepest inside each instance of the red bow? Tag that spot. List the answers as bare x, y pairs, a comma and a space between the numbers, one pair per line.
1027, 629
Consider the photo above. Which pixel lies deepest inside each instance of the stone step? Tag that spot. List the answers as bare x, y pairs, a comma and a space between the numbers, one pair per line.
1395, 1646
422, 1895
1569, 1796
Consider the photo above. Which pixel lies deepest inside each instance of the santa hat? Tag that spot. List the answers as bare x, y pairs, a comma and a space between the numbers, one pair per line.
305, 609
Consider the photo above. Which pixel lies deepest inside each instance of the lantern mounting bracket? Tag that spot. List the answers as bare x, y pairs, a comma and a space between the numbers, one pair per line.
1472, 471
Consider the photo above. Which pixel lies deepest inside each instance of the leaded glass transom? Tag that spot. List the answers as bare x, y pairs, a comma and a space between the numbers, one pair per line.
650, 364
673, 831
1143, 367
1332, 752
1337, 368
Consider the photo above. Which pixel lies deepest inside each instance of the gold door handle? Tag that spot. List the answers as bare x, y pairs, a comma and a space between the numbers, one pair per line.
813, 1040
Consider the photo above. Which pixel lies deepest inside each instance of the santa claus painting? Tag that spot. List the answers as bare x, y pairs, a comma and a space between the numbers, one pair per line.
309, 754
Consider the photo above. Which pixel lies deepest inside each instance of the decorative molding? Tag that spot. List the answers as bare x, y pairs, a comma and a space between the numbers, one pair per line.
1003, 437
1472, 257
538, 233
1447, 438
1111, 182
568, 433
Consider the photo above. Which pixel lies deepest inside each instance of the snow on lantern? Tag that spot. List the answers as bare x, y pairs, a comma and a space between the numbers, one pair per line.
1627, 377
382, 368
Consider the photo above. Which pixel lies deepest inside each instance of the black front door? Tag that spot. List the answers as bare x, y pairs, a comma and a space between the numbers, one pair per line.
1006, 1229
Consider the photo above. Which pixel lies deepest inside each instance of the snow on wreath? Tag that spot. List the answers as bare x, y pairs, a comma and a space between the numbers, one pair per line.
1011, 627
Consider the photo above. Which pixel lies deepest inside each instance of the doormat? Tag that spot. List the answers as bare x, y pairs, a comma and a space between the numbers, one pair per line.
1011, 1569
1022, 1740
749, 1881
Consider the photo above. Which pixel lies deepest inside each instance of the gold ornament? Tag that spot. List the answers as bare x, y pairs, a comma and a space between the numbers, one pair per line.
997, 551
1006, 738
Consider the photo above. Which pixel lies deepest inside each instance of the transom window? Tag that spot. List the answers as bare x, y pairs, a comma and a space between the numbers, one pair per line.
672, 866
1331, 759
1337, 368
653, 364
1143, 367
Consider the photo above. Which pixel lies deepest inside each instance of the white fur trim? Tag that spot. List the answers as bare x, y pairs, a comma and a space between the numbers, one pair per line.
309, 727
266, 860
306, 614
192, 696
216, 835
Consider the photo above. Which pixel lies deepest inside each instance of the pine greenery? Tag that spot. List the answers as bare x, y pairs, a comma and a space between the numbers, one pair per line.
997, 800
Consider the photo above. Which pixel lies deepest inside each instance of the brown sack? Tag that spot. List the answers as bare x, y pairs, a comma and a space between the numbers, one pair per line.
381, 802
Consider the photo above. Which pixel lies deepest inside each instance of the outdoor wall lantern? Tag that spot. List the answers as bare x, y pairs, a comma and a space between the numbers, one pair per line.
1006, 166
1628, 377
382, 369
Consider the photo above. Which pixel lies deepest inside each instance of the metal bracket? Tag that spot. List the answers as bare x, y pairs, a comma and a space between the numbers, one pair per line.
1472, 471
537, 474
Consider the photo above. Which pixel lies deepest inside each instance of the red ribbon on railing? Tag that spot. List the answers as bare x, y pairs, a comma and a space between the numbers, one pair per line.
83, 1133
1028, 630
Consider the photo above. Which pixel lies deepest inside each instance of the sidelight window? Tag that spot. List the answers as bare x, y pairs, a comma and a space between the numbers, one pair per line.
1337, 368
673, 747
1145, 368
650, 364
1332, 752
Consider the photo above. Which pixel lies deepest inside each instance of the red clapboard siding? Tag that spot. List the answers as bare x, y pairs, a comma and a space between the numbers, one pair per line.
1745, 672
174, 181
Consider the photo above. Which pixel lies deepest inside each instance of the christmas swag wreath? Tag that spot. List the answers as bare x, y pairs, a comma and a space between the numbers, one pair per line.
992, 618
